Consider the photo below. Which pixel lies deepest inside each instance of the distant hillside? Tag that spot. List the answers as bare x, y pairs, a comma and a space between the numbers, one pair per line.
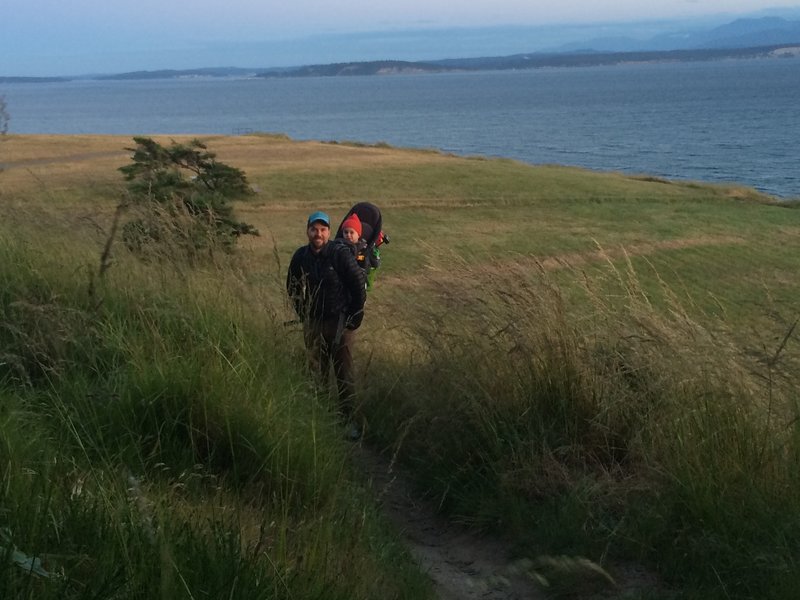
752, 32
533, 60
32, 79
742, 33
378, 67
528, 61
743, 38
186, 73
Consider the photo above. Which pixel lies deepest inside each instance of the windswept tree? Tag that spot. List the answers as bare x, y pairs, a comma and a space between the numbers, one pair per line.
183, 196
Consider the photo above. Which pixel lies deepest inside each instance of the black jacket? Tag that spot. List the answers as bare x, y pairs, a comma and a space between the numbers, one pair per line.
324, 285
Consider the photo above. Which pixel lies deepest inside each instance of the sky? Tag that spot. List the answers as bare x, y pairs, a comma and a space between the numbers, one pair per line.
75, 37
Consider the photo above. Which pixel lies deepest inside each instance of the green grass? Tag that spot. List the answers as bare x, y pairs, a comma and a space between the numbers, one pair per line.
592, 364
165, 446
473, 181
617, 427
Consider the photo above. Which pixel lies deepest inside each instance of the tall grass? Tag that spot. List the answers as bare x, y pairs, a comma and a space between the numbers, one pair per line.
607, 422
158, 440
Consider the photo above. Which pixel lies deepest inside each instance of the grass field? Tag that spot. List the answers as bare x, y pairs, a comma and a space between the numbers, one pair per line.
594, 364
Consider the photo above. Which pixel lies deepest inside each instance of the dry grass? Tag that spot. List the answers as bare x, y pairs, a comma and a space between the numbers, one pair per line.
56, 161
521, 328
490, 212
624, 415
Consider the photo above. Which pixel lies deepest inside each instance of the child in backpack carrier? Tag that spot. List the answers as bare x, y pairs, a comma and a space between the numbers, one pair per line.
355, 233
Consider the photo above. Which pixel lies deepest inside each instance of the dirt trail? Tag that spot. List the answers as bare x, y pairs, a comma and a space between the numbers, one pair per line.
462, 565
465, 566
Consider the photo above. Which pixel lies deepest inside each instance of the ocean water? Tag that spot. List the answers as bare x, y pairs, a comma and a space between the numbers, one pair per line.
727, 121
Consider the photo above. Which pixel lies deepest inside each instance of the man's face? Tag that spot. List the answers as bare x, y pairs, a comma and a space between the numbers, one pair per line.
318, 234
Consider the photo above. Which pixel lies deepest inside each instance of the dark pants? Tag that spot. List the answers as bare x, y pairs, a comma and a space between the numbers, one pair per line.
324, 349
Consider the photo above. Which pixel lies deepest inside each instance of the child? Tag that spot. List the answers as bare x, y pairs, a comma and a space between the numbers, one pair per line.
353, 232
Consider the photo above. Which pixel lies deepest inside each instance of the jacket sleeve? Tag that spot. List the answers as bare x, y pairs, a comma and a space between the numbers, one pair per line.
295, 284
354, 282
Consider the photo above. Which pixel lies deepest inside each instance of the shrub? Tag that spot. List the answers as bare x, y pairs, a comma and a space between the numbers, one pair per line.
182, 196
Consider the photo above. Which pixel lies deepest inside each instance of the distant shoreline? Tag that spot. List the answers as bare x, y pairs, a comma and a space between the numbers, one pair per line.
533, 60
34, 79
538, 60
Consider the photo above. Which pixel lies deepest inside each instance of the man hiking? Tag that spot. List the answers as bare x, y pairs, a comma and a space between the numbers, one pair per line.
327, 289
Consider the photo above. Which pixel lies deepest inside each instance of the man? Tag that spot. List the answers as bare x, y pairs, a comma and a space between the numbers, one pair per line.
327, 289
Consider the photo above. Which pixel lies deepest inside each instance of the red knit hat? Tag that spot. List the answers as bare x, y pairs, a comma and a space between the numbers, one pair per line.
352, 222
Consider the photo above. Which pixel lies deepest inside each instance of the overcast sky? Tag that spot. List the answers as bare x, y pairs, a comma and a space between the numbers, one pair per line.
70, 37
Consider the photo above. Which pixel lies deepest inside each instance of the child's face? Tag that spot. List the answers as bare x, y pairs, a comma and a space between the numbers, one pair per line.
350, 234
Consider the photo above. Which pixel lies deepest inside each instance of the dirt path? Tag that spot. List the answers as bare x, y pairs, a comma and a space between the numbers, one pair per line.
467, 566
462, 565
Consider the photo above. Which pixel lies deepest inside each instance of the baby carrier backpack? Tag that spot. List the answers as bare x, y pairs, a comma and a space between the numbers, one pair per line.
368, 252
